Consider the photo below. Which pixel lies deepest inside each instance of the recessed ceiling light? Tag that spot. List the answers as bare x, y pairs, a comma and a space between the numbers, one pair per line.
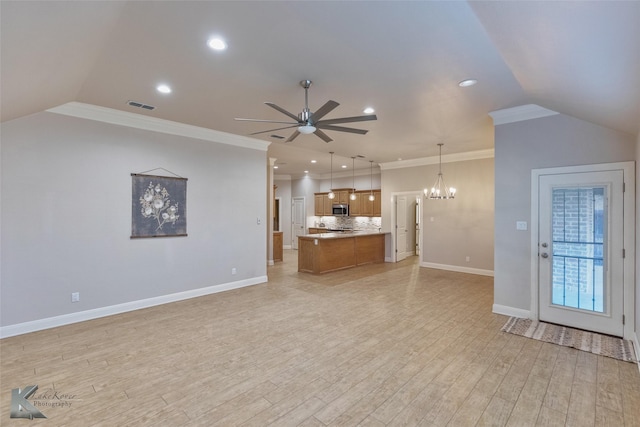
216, 43
344, 166
306, 171
275, 167
314, 161
467, 82
163, 88
369, 110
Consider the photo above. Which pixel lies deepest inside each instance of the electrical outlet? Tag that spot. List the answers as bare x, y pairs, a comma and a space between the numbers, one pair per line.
233, 270
468, 259
75, 296
258, 221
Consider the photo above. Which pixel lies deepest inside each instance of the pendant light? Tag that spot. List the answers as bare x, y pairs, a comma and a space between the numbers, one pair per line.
331, 194
371, 196
353, 178
439, 190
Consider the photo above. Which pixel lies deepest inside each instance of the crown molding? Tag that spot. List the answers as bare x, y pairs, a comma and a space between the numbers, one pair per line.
154, 124
519, 114
434, 160
282, 177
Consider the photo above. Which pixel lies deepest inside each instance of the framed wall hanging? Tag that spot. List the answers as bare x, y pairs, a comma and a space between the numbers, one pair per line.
158, 206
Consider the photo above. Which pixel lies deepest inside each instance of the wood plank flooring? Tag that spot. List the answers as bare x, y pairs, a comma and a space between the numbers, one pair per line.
379, 345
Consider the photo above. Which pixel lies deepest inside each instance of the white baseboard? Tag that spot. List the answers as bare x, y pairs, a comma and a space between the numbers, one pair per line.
388, 259
457, 268
286, 247
271, 262
66, 319
511, 311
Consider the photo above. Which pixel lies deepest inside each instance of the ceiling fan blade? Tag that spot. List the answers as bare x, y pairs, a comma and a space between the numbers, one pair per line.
342, 129
282, 110
348, 120
266, 121
323, 135
293, 136
324, 110
273, 130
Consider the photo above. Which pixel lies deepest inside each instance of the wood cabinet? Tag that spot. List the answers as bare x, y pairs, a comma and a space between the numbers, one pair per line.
361, 206
322, 204
318, 205
342, 197
328, 205
277, 246
377, 203
355, 208
322, 254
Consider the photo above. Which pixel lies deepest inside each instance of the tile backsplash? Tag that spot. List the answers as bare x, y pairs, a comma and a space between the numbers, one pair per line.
357, 223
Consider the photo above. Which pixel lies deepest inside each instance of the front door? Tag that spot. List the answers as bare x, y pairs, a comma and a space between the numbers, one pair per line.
299, 219
580, 250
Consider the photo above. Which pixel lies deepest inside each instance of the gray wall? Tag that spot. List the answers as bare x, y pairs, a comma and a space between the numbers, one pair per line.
552, 141
637, 325
284, 192
461, 227
66, 216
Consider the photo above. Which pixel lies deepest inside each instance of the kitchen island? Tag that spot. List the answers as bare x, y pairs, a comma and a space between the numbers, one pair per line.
321, 253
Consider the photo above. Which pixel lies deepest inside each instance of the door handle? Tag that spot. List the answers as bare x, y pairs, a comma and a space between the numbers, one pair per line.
544, 255
544, 245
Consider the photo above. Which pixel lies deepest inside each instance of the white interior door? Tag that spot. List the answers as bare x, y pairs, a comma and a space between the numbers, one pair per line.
580, 250
401, 228
299, 219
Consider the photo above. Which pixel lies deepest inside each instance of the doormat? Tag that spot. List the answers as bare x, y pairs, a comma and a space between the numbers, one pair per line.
604, 345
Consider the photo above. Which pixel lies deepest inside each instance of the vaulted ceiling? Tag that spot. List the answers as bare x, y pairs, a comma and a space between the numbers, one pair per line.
404, 59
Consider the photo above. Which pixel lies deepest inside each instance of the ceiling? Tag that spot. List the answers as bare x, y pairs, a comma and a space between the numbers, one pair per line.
404, 59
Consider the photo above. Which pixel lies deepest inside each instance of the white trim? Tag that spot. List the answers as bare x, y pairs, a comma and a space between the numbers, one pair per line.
628, 169
457, 268
271, 263
138, 121
67, 319
434, 160
511, 311
519, 114
286, 247
281, 177
636, 347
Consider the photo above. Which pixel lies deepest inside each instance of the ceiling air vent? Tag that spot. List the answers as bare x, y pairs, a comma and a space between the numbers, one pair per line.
277, 136
141, 105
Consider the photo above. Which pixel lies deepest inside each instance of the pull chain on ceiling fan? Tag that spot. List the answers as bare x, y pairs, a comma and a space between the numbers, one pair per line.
308, 122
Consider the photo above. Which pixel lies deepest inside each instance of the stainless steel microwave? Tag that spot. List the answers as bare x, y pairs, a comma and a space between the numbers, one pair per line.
340, 210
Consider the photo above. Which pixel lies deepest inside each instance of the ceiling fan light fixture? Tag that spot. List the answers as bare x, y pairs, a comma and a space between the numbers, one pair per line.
306, 129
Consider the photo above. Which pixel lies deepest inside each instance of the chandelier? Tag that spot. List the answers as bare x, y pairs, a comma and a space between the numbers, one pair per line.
439, 190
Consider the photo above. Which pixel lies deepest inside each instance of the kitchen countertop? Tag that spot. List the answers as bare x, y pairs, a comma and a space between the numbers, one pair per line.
343, 234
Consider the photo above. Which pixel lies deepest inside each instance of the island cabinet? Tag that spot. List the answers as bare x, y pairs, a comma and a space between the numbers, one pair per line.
322, 253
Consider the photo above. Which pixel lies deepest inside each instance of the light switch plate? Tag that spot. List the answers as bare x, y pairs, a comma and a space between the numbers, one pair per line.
521, 225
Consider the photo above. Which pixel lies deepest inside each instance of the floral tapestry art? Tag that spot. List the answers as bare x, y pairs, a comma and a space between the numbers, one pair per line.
158, 206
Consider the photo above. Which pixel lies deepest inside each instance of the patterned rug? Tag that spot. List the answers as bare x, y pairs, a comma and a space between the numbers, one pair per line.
582, 340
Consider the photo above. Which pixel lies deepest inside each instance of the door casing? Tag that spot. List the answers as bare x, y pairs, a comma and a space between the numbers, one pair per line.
628, 169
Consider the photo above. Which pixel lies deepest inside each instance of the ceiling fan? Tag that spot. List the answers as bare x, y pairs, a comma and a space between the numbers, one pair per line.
308, 122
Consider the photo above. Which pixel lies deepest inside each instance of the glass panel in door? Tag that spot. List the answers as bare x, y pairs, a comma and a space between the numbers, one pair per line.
578, 225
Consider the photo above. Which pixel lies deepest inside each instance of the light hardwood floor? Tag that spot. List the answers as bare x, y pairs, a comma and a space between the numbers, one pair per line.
380, 345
